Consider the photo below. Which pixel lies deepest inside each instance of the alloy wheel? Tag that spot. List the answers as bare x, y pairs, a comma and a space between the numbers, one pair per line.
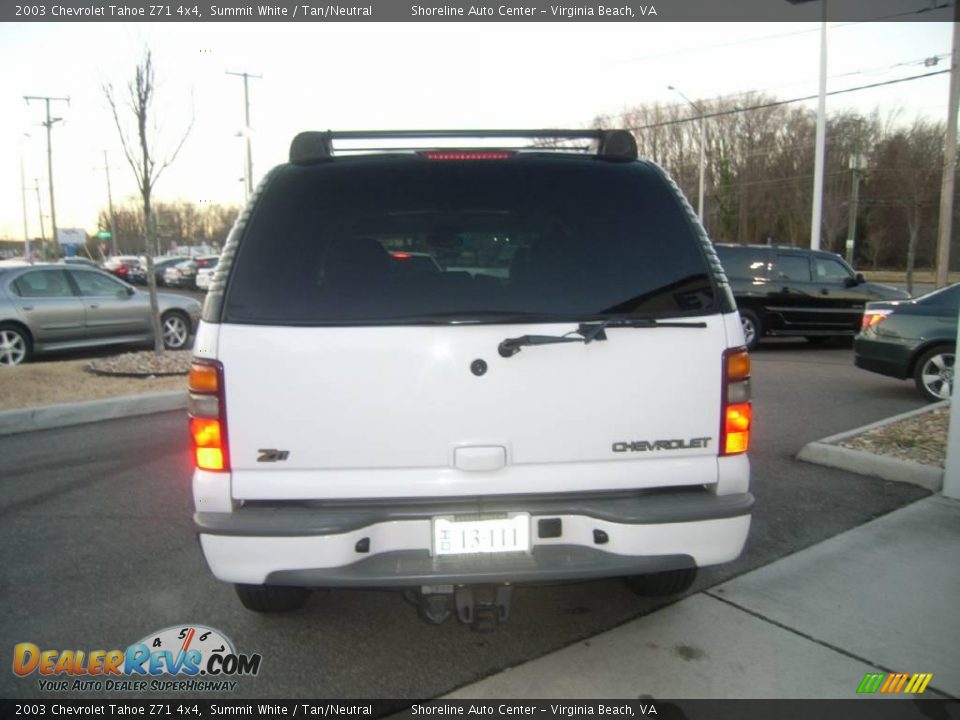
936, 375
13, 348
175, 332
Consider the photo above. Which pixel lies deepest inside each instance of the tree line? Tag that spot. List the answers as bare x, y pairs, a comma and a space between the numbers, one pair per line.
178, 224
759, 168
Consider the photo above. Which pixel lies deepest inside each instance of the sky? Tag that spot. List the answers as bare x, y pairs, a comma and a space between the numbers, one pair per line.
353, 76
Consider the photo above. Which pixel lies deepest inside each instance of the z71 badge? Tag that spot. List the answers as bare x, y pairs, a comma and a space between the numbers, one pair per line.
648, 445
272, 455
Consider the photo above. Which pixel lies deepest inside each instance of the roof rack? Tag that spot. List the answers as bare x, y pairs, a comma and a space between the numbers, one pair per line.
315, 146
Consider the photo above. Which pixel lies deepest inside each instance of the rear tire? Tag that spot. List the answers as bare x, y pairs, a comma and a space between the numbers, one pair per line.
175, 327
752, 329
934, 373
272, 598
16, 347
669, 582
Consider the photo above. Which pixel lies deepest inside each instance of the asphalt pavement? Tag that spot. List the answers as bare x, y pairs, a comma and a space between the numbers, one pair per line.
879, 598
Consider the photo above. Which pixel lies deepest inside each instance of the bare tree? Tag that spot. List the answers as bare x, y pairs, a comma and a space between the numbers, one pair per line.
145, 165
906, 187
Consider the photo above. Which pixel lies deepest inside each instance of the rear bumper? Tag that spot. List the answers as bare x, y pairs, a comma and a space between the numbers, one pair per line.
884, 358
390, 546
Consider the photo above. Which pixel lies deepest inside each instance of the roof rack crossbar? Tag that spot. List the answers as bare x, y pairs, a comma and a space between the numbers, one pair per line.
313, 146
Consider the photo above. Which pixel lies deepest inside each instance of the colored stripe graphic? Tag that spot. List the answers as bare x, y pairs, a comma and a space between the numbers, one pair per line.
871, 682
894, 683
918, 682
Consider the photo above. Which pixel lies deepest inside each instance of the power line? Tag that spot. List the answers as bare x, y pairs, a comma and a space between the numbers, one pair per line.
777, 103
777, 36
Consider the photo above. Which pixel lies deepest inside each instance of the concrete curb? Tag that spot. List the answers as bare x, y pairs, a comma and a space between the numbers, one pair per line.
827, 452
56, 416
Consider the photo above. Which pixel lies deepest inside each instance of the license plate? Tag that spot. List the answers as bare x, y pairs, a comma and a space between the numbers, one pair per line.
471, 537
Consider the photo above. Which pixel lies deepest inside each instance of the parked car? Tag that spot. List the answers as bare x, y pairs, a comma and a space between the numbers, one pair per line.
912, 339
49, 307
798, 292
184, 274
571, 402
180, 274
206, 268
79, 260
127, 267
160, 266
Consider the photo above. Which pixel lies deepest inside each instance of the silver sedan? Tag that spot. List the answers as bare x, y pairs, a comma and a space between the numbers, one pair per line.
56, 307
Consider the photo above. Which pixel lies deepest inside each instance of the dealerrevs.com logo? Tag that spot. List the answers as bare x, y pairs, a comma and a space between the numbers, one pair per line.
186, 658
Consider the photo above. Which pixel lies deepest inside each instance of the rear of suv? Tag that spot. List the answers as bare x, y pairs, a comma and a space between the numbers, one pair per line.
556, 390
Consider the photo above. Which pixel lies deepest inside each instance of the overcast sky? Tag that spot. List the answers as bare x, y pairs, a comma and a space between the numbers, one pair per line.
401, 75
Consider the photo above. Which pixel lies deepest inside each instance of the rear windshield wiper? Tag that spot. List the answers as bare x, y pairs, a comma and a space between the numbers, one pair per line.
588, 332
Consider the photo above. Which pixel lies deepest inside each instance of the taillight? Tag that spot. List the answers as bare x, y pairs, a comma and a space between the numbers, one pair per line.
401, 255
736, 410
872, 318
205, 406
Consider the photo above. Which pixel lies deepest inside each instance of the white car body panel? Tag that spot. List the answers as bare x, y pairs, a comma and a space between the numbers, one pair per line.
363, 422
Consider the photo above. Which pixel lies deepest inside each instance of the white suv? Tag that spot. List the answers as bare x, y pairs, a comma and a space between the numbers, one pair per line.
561, 394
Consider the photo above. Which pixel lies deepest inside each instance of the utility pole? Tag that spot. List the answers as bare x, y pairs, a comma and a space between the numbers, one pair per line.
248, 185
858, 163
944, 231
48, 124
113, 223
43, 233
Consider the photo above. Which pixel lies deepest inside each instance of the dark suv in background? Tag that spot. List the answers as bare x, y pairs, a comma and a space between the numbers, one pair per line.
792, 291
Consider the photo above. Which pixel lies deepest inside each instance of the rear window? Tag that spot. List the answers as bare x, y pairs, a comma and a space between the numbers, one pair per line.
410, 240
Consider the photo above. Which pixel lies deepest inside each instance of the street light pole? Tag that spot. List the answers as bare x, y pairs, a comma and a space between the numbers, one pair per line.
43, 233
819, 157
23, 199
248, 185
816, 218
703, 147
113, 223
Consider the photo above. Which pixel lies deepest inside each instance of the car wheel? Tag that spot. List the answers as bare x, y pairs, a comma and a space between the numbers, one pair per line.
176, 330
669, 582
751, 328
272, 598
15, 345
934, 373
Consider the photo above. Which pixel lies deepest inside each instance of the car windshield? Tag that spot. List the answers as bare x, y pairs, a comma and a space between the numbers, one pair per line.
397, 240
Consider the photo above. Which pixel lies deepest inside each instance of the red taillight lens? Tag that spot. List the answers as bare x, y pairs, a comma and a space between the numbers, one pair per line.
736, 410
207, 424
401, 255
872, 318
736, 422
467, 155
